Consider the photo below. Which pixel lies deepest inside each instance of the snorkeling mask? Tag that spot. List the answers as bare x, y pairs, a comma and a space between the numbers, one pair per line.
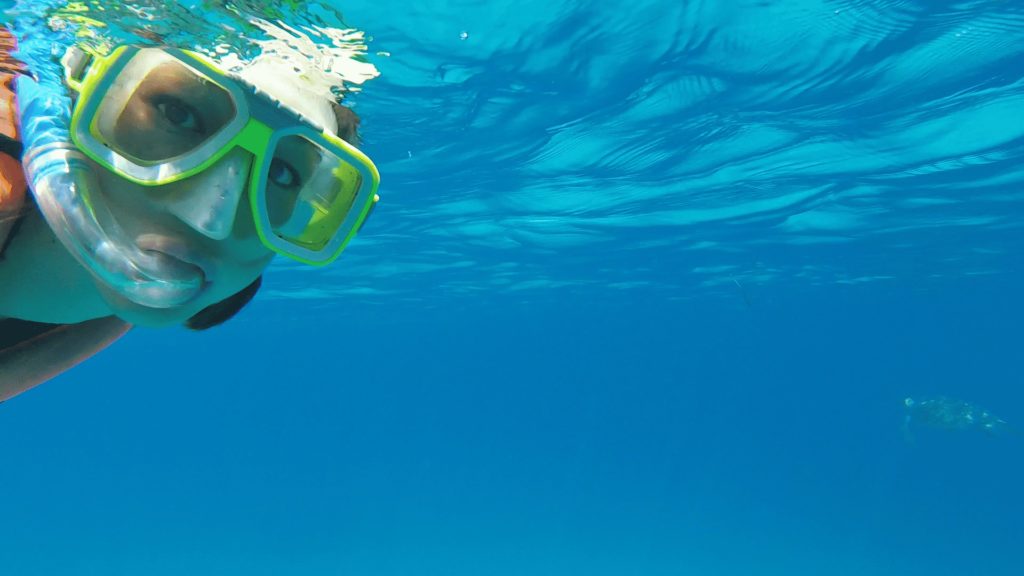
309, 190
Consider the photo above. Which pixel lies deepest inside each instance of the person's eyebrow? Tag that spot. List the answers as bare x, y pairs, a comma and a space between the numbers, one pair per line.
217, 103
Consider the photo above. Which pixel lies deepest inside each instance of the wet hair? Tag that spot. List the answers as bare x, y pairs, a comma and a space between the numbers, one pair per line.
348, 123
222, 311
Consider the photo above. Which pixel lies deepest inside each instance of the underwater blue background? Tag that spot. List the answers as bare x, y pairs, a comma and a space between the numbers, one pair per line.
647, 288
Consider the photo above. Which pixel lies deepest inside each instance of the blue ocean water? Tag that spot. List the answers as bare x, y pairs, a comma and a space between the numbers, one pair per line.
646, 291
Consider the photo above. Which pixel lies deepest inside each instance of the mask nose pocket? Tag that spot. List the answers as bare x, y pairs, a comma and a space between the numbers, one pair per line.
209, 201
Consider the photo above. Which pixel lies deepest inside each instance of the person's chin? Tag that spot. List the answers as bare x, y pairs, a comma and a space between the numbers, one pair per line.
145, 316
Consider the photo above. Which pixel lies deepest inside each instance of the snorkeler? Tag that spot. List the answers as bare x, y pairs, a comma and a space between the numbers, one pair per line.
147, 186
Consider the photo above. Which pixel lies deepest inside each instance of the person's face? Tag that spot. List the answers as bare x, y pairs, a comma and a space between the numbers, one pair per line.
204, 221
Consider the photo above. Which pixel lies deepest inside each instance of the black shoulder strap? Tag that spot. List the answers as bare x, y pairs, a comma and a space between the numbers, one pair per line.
13, 332
10, 146
7, 242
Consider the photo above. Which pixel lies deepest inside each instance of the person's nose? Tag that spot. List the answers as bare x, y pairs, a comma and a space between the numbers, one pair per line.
208, 202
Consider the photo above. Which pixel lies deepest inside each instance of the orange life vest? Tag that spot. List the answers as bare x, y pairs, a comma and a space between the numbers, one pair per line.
12, 178
32, 352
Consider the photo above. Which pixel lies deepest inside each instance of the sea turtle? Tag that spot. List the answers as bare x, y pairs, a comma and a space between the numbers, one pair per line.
951, 414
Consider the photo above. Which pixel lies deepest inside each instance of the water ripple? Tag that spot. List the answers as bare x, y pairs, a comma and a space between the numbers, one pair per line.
713, 137
549, 148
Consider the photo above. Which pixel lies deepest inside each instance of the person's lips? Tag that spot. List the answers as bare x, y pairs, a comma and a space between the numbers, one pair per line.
175, 254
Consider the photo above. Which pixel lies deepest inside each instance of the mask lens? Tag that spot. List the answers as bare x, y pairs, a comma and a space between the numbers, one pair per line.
310, 192
159, 108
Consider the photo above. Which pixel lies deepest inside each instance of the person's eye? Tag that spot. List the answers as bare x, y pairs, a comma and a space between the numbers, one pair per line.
283, 174
179, 114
